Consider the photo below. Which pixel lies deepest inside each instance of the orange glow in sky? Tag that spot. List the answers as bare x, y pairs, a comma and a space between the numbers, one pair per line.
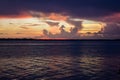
20, 15
26, 26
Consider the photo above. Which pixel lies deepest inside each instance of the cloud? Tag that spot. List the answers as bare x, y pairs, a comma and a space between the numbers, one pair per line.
19, 33
113, 18
19, 15
1, 33
45, 32
32, 24
23, 27
56, 10
53, 23
54, 16
73, 34
72, 12
28, 25
112, 29
78, 8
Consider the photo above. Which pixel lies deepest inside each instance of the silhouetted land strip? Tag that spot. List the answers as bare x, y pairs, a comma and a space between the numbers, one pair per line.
64, 39
59, 39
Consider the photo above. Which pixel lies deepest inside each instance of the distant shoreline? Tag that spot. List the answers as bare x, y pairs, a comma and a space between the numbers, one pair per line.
60, 39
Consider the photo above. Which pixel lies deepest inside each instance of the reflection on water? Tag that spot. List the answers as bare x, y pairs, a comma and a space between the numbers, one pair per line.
56, 67
92, 65
75, 61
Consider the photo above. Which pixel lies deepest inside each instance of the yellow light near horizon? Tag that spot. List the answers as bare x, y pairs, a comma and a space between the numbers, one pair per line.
32, 27
9, 27
91, 26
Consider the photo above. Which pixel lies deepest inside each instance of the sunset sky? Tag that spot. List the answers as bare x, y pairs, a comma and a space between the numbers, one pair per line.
60, 19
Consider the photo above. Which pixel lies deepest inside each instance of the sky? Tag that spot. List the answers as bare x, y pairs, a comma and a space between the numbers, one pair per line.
60, 19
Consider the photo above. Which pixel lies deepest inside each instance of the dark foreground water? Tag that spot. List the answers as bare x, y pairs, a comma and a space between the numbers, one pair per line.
59, 60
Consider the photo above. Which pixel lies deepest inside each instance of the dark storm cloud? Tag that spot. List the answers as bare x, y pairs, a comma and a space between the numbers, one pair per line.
78, 8
112, 29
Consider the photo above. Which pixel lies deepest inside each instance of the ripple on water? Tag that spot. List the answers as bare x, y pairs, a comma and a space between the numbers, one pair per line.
47, 68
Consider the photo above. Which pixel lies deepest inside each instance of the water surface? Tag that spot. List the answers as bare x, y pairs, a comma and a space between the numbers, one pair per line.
59, 60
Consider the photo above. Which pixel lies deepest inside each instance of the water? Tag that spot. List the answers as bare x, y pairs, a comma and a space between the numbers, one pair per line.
59, 60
